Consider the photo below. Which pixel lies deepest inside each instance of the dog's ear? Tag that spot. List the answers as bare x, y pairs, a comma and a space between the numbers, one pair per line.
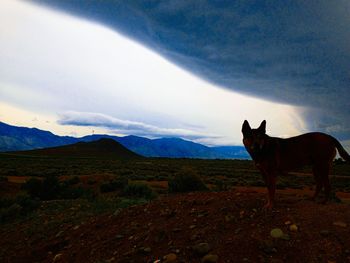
246, 130
262, 127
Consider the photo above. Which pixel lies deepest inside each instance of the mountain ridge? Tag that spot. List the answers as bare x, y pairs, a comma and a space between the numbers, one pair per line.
14, 138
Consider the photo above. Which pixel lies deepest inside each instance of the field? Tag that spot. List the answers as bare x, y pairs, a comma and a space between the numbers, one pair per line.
99, 215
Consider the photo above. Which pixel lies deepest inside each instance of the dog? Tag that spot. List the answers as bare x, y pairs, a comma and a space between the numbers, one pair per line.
273, 156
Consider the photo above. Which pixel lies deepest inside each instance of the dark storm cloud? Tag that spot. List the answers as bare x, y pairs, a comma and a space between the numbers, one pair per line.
296, 52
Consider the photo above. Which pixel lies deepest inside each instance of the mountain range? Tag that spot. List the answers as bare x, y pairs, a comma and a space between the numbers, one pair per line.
13, 138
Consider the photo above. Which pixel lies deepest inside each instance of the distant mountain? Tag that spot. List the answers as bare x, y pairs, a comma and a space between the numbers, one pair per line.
14, 138
102, 148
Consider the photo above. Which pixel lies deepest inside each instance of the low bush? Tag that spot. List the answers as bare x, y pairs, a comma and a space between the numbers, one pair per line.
139, 190
50, 189
186, 180
3, 179
114, 185
13, 208
74, 180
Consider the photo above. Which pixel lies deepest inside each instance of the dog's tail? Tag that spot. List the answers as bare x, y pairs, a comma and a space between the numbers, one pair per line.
343, 154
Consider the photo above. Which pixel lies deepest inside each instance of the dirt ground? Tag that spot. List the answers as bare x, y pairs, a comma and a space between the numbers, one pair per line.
196, 227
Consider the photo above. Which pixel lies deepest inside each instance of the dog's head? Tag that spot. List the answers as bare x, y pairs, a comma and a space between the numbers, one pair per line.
254, 139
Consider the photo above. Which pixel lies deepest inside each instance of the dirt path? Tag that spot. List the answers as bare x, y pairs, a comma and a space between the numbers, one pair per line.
230, 225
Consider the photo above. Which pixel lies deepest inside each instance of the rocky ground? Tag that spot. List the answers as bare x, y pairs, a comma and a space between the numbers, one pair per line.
195, 227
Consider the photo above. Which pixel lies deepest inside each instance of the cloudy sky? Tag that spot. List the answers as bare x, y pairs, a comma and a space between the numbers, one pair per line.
191, 69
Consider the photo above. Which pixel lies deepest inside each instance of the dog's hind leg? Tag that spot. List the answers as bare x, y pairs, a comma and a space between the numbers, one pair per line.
321, 175
318, 182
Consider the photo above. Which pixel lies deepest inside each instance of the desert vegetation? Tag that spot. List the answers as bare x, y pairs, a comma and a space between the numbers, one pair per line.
45, 197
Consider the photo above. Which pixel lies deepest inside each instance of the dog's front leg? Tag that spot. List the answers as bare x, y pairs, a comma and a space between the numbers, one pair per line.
271, 187
270, 181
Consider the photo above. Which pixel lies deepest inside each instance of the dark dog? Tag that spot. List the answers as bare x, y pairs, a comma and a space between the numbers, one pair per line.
273, 156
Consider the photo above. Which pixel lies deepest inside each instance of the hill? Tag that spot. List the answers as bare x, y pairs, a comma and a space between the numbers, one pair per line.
102, 148
14, 138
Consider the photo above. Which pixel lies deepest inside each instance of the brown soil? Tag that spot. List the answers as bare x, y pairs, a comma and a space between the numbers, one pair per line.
232, 223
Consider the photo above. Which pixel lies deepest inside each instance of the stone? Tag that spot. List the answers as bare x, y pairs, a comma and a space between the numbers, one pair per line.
276, 233
210, 258
147, 250
57, 257
293, 228
170, 258
267, 246
201, 249
340, 224
59, 233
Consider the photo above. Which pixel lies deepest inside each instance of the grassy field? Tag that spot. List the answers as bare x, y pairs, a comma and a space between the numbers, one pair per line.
219, 174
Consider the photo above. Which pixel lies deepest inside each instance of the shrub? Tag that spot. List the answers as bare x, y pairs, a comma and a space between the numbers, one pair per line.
114, 185
3, 179
74, 180
186, 181
139, 190
13, 208
76, 192
50, 188
33, 187
10, 213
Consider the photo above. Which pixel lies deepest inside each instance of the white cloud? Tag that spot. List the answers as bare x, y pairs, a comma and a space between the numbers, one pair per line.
126, 126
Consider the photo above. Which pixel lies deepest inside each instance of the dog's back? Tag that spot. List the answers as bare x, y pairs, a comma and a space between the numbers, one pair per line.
308, 149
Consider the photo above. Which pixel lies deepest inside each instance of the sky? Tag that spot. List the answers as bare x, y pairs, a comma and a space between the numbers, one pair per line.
190, 69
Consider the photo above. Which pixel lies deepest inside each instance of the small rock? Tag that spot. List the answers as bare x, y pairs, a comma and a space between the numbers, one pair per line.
229, 218
288, 222
170, 258
324, 233
117, 212
59, 234
76, 227
210, 258
147, 250
241, 214
276, 233
192, 226
285, 237
267, 246
293, 228
194, 237
238, 230
57, 257
201, 249
340, 223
